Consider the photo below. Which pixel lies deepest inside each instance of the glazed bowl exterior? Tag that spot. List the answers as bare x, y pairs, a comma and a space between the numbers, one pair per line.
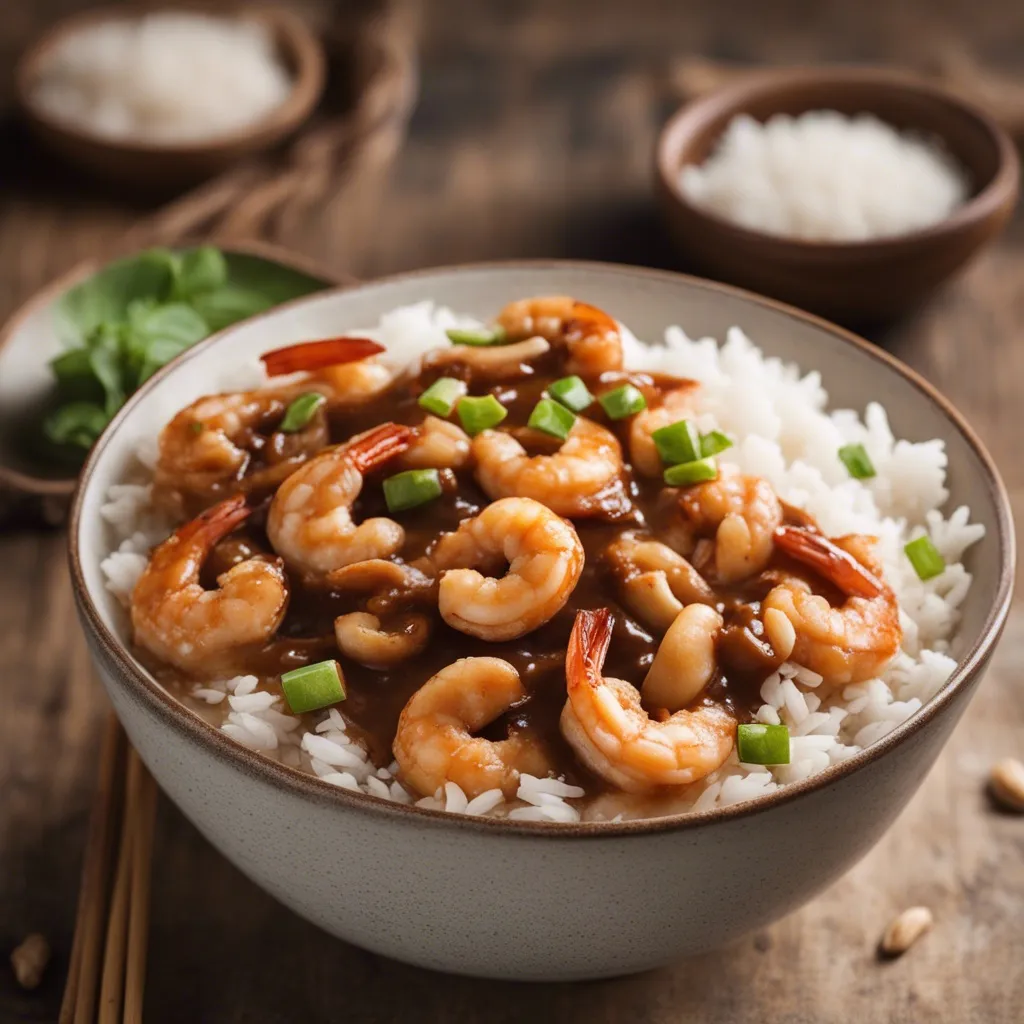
865, 282
527, 900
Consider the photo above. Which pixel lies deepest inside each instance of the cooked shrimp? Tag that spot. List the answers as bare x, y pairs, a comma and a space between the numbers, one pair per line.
199, 630
854, 641
362, 637
495, 361
611, 733
435, 744
206, 447
544, 557
675, 405
568, 482
439, 444
656, 582
590, 335
743, 512
685, 661
310, 519
345, 369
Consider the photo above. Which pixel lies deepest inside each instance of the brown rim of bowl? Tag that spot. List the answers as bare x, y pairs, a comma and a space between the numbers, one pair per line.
290, 33
63, 487
729, 98
174, 714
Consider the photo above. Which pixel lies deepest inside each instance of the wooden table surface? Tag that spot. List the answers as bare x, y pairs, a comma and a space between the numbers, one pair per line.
533, 138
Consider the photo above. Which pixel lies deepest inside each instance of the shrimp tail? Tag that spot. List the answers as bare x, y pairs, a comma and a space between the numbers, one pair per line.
380, 444
830, 560
588, 645
216, 522
317, 355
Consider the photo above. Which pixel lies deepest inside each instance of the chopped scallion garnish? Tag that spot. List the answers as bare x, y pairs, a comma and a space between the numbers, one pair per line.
688, 473
623, 402
925, 558
477, 414
411, 488
762, 744
477, 335
313, 686
572, 393
857, 461
441, 396
552, 418
678, 442
714, 442
301, 411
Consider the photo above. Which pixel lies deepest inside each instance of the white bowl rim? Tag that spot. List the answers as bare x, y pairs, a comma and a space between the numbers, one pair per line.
313, 789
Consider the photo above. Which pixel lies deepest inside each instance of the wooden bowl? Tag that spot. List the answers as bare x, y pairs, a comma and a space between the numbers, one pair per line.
158, 166
28, 341
853, 282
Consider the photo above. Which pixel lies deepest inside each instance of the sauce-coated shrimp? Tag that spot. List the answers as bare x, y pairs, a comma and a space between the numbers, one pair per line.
362, 636
439, 444
590, 335
435, 744
498, 362
310, 519
570, 482
675, 405
344, 369
743, 511
195, 629
544, 557
854, 641
613, 735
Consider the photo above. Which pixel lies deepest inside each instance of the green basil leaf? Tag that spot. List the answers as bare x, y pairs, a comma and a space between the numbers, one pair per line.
77, 424
229, 304
276, 283
200, 270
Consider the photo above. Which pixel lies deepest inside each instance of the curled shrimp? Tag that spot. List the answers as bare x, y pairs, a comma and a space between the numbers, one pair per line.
434, 743
544, 557
857, 639
675, 405
194, 629
363, 638
344, 369
590, 335
498, 361
743, 512
310, 519
685, 661
656, 582
613, 735
570, 482
439, 444
208, 446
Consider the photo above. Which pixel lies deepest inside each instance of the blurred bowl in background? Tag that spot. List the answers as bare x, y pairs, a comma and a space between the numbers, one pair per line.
149, 166
863, 282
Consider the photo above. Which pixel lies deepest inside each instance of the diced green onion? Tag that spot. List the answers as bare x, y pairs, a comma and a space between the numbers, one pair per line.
713, 443
411, 488
762, 744
687, 473
572, 393
552, 418
441, 396
925, 558
313, 686
623, 402
478, 414
301, 411
857, 461
476, 335
678, 442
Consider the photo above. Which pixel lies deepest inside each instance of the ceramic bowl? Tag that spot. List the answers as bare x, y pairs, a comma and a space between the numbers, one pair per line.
159, 166
531, 900
29, 340
853, 282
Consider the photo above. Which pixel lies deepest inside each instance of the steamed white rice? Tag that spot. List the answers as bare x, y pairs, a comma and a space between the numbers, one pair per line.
782, 431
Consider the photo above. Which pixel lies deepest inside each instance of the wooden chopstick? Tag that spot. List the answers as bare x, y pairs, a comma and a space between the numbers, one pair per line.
108, 952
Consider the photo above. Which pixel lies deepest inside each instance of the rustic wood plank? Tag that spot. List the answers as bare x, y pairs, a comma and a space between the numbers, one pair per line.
533, 139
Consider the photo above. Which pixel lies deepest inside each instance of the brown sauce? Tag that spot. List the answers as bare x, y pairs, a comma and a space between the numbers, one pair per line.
376, 697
